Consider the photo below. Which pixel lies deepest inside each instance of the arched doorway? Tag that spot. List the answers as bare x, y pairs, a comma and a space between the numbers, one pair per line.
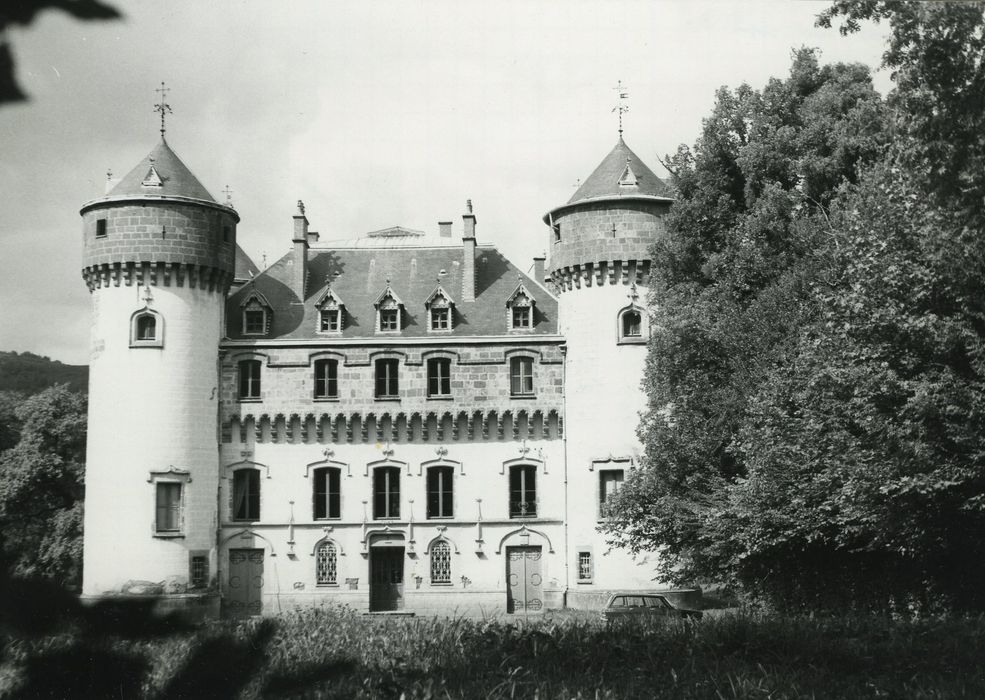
386, 572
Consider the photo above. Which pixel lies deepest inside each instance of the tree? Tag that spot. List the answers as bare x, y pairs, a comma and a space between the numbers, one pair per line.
41, 487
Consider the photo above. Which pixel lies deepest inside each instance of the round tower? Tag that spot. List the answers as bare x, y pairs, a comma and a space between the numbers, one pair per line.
599, 263
158, 258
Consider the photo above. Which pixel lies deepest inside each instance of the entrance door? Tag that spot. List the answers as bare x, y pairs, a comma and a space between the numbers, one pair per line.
386, 578
245, 582
523, 574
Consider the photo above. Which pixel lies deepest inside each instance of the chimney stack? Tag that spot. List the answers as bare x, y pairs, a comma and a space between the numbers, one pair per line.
444, 229
468, 263
312, 237
300, 251
539, 268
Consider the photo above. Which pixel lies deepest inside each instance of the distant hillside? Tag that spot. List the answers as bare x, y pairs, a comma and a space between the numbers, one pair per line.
29, 373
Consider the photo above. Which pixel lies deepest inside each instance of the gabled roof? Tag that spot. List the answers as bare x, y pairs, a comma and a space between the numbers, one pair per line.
161, 165
621, 174
520, 289
359, 273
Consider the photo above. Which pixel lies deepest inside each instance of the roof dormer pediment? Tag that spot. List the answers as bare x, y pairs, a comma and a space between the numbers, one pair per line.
439, 299
255, 298
521, 296
388, 299
329, 300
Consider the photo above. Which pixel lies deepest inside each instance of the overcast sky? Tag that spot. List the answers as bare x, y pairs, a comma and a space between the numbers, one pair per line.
374, 113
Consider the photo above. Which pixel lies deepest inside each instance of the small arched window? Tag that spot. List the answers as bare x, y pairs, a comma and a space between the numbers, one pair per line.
146, 329
440, 562
632, 325
326, 564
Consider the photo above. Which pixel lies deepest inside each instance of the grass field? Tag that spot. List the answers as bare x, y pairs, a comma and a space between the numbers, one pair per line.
336, 653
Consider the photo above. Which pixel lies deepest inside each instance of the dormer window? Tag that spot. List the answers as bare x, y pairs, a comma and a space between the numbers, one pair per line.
440, 308
330, 312
146, 329
256, 314
389, 311
520, 309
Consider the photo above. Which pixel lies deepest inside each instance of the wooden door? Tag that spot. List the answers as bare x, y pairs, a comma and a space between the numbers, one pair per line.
245, 596
525, 581
386, 578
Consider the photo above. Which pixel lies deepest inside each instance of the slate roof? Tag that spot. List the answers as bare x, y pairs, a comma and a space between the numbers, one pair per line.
177, 179
604, 180
359, 275
245, 267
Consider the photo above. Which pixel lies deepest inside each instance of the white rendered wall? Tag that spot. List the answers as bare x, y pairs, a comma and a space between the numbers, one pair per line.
149, 409
603, 400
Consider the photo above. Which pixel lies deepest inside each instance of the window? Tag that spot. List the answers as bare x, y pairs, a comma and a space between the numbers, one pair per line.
523, 491
198, 570
386, 379
440, 494
632, 324
521, 317
389, 319
326, 564
146, 329
246, 494
386, 493
168, 519
327, 494
100, 228
557, 232
440, 319
225, 234
610, 481
254, 321
326, 379
440, 562
586, 569
521, 376
249, 379
439, 376
330, 320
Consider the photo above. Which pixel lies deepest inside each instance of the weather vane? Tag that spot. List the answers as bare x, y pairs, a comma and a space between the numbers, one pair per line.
622, 107
229, 196
163, 107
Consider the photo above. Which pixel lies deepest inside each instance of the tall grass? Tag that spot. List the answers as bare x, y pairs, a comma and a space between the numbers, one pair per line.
336, 653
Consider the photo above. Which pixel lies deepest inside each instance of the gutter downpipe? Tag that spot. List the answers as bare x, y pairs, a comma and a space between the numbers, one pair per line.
564, 443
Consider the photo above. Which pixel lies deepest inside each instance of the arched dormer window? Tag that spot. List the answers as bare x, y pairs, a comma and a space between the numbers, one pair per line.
331, 312
257, 314
389, 311
146, 329
441, 311
631, 326
520, 309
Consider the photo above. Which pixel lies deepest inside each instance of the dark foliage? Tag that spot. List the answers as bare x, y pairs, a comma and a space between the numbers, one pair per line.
27, 373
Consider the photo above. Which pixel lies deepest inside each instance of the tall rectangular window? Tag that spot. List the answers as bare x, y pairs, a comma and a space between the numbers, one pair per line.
198, 574
521, 376
523, 491
386, 492
168, 517
100, 228
386, 379
326, 379
246, 494
327, 494
610, 481
440, 495
586, 569
439, 376
249, 379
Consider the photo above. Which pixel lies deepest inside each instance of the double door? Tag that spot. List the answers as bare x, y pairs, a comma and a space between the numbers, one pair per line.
525, 592
386, 578
245, 596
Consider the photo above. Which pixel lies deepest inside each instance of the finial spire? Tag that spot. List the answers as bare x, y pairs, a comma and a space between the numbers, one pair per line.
163, 107
621, 107
229, 195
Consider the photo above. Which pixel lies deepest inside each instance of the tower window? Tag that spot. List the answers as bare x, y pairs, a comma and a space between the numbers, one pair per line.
168, 517
146, 329
327, 493
439, 376
440, 494
386, 379
632, 325
100, 228
249, 379
440, 562
610, 481
523, 491
246, 494
225, 234
521, 376
326, 379
386, 493
557, 232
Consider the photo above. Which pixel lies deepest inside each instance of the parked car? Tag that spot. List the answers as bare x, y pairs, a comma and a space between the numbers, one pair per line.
635, 604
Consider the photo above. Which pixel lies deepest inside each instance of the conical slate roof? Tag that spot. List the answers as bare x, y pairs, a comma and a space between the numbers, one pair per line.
621, 174
161, 173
